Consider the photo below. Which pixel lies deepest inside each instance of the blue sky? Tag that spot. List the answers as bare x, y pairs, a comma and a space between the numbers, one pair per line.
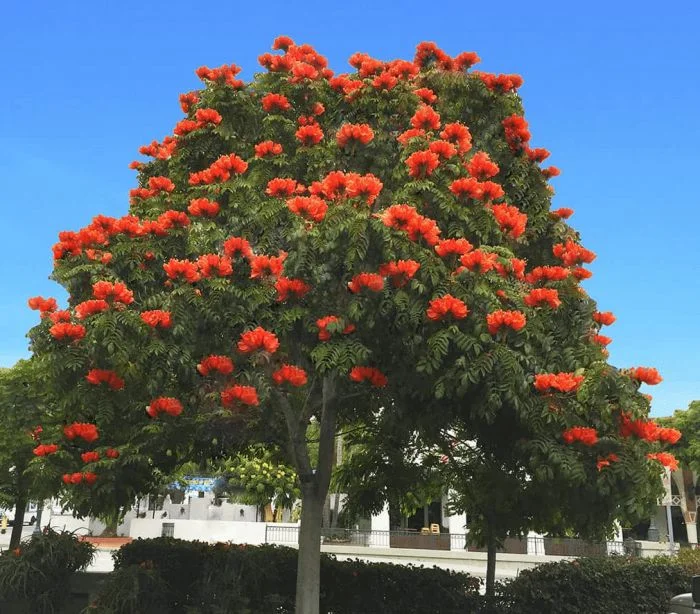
610, 88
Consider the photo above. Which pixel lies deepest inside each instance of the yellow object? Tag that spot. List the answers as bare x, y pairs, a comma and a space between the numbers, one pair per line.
425, 531
435, 529
3, 523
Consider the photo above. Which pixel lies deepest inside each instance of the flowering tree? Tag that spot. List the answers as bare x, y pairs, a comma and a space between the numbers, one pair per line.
338, 249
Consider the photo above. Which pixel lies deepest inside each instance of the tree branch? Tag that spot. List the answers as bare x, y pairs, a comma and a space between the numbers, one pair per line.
326, 444
296, 429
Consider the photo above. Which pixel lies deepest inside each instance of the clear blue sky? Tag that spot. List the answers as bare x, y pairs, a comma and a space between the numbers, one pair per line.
611, 88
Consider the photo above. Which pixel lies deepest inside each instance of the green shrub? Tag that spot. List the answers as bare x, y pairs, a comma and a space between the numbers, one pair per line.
227, 579
614, 585
39, 571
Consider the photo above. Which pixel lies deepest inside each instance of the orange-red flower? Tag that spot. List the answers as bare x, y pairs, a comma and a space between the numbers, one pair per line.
258, 339
182, 269
538, 154
280, 187
647, 375
481, 166
91, 307
43, 305
220, 170
516, 132
112, 453
447, 305
364, 186
215, 364
90, 457
647, 430
309, 135
479, 261
665, 458
203, 207
207, 117
211, 265
547, 273
287, 287
602, 340
294, 376
536, 297
399, 217
105, 376
117, 292
510, 219
157, 318
349, 134
371, 281
81, 430
586, 435
563, 213
45, 449
426, 95
500, 83
322, 323
563, 382
384, 81
467, 187
459, 135
571, 253
669, 435
64, 330
444, 149
401, 271
224, 74
604, 461
412, 133
422, 163
164, 405
275, 102
368, 374
450, 247
267, 149
309, 207
604, 318
267, 266
426, 118
551, 171
188, 100
243, 395
234, 246
511, 319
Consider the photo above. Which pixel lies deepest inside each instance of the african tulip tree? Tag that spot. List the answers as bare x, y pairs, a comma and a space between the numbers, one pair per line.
318, 247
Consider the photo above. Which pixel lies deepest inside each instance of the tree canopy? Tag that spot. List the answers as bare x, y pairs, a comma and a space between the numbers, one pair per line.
374, 248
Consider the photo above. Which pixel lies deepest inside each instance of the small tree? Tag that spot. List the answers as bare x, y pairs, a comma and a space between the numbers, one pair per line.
374, 246
23, 404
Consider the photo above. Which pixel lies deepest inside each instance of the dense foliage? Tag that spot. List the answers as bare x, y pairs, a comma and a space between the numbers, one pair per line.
39, 570
178, 576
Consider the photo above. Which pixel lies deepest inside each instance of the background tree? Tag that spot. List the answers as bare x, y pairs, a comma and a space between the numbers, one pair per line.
687, 450
23, 405
349, 249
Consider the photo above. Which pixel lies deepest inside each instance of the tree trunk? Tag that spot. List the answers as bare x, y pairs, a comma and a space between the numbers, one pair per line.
426, 516
20, 507
490, 567
309, 560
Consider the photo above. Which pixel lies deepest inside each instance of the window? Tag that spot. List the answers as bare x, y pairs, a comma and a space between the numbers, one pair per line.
168, 529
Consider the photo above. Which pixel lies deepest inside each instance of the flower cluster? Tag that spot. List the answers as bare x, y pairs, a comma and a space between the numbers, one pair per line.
447, 305
81, 430
571, 253
605, 461
275, 102
65, 330
563, 382
235, 246
105, 376
220, 170
322, 323
481, 167
91, 307
459, 135
112, 453
267, 149
160, 151
453, 247
349, 134
310, 134
425, 118
311, 208
563, 213
368, 374
182, 269
157, 318
400, 272
43, 305
244, 395
516, 132
258, 339
646, 375
90, 457
665, 458
287, 287
422, 164
511, 319
266, 266
213, 265
510, 219
225, 74
76, 478
547, 273
604, 318
294, 376
373, 282
116, 292
164, 405
538, 296
215, 364
479, 261
156, 186
45, 449
586, 435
